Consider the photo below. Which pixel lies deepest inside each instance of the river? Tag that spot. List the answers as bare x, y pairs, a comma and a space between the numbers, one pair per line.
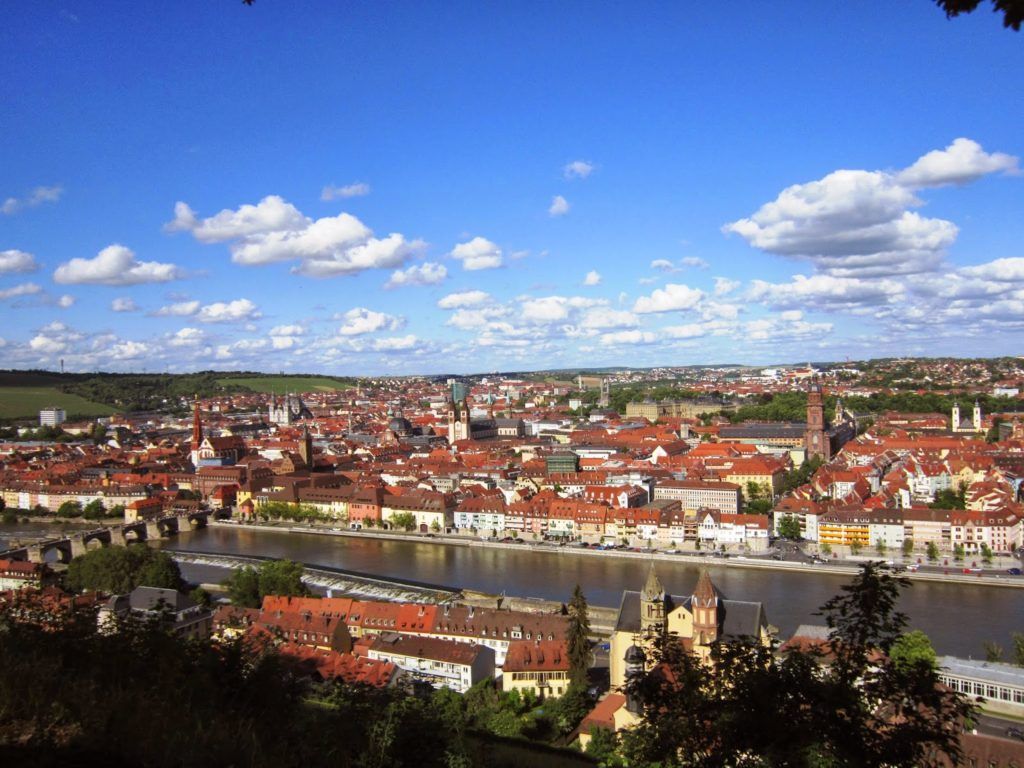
959, 618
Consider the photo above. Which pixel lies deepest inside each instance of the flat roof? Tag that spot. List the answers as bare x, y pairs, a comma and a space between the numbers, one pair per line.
987, 671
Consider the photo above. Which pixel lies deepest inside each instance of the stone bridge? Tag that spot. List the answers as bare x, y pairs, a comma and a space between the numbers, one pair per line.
78, 543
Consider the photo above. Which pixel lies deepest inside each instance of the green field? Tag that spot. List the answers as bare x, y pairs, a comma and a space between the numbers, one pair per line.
281, 384
25, 402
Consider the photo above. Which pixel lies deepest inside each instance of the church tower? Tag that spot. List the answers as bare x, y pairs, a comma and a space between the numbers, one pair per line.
815, 440
977, 417
306, 448
955, 426
197, 432
704, 603
652, 607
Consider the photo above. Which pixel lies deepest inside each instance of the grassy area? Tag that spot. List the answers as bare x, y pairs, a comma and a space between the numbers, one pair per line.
25, 402
282, 384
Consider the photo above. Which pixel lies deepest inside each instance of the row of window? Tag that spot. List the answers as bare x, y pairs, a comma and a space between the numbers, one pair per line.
986, 690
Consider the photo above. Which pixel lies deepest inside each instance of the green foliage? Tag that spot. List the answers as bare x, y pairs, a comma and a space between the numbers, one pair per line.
784, 406
825, 549
201, 597
121, 569
993, 651
602, 745
578, 638
752, 707
958, 552
9, 516
298, 513
880, 547
94, 510
948, 499
801, 475
69, 509
405, 521
1018, 648
908, 547
986, 553
932, 551
855, 547
247, 586
759, 506
911, 649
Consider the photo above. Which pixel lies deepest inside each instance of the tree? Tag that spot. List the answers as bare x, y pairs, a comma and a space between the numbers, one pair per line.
1018, 648
602, 745
436, 527
958, 552
403, 520
1012, 10
932, 551
247, 586
880, 547
94, 510
578, 638
750, 706
825, 549
993, 651
69, 509
911, 649
948, 499
855, 547
119, 570
789, 527
986, 553
908, 547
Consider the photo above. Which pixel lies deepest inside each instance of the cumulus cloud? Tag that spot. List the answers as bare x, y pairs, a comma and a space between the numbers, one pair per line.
463, 299
551, 309
961, 162
826, 291
629, 337
25, 289
724, 286
126, 304
688, 331
603, 317
66, 301
274, 230
664, 265
395, 343
427, 273
478, 253
178, 309
115, 265
37, 196
578, 169
856, 223
331, 192
694, 261
287, 330
360, 320
593, 278
187, 337
14, 261
672, 298
559, 206
1010, 270
228, 311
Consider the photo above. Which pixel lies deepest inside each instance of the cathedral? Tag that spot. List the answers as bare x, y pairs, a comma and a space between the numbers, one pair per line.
697, 620
288, 410
820, 438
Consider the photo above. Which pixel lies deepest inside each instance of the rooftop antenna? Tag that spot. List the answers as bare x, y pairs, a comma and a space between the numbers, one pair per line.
62, 365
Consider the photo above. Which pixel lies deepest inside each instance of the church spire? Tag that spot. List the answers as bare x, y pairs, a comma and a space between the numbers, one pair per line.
652, 588
197, 424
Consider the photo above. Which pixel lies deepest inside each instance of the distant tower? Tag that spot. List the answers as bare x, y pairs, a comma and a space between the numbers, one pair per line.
579, 382
977, 417
815, 440
705, 611
652, 607
955, 426
605, 399
197, 432
306, 448
839, 417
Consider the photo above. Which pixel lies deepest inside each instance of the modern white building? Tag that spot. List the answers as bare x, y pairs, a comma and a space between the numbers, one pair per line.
52, 417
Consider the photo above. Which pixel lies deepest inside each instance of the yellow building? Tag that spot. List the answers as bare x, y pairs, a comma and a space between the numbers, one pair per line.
844, 528
697, 619
538, 666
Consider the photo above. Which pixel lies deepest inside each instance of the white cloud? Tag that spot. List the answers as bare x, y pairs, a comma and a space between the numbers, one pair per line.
673, 297
274, 230
25, 289
37, 196
629, 337
468, 319
187, 337
395, 343
694, 261
854, 223
66, 301
478, 253
427, 273
724, 285
559, 206
961, 162
578, 169
550, 309
228, 311
603, 317
826, 291
126, 304
360, 320
664, 265
593, 278
331, 192
178, 309
1011, 270
463, 299
688, 331
115, 265
287, 330
14, 261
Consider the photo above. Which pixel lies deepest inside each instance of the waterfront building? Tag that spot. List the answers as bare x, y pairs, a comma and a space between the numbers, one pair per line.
538, 666
442, 663
700, 494
18, 574
1000, 687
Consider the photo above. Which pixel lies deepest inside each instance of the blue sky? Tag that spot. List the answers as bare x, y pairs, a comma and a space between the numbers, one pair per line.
419, 188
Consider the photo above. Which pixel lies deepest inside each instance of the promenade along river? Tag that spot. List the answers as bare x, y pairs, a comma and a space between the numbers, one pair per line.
959, 618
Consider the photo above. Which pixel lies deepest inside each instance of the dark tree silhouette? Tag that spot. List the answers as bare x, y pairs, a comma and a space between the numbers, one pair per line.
1012, 10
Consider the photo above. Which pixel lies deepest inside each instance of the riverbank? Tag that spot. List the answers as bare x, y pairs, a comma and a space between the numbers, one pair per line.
733, 561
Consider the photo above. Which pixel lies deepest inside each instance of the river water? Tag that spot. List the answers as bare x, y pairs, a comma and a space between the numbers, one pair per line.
959, 618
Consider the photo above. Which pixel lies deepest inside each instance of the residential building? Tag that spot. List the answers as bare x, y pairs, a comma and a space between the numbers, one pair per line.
442, 663
538, 666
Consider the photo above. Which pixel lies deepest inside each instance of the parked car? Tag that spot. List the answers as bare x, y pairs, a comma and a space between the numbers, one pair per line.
1014, 571
1015, 733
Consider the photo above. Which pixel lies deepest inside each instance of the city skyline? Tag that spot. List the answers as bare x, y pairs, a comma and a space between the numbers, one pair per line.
266, 189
